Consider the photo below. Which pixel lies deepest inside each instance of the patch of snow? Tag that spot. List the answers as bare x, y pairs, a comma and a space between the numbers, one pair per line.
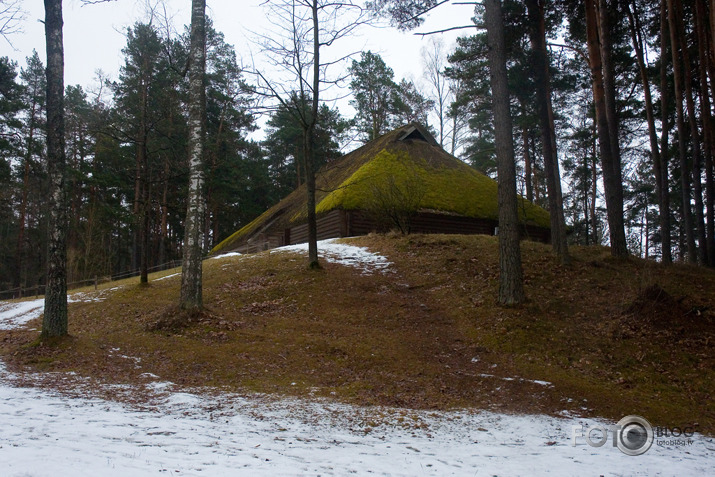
226, 255
523, 380
187, 434
344, 254
13, 315
168, 276
193, 435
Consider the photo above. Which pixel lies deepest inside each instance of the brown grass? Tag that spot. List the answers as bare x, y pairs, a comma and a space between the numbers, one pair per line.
612, 337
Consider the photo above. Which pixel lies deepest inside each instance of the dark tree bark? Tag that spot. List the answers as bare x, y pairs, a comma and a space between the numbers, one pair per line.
665, 225
694, 135
610, 160
704, 61
661, 189
687, 224
141, 193
511, 282
191, 276
308, 144
542, 78
54, 322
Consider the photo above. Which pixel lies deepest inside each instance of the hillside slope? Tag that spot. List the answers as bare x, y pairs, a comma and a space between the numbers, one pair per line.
600, 338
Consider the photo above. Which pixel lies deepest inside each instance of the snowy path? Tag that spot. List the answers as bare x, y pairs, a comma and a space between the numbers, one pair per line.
44, 433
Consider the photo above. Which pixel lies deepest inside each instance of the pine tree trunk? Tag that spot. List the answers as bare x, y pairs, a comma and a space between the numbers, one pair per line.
191, 277
695, 137
708, 141
665, 128
610, 162
637, 40
511, 282
54, 322
682, 152
542, 78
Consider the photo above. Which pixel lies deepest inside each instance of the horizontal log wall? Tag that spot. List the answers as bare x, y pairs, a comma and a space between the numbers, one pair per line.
360, 223
330, 225
339, 223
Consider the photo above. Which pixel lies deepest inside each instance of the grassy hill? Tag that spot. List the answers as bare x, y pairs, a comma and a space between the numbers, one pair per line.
601, 337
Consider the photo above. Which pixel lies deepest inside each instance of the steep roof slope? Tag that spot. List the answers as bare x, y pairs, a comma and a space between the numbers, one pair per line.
450, 186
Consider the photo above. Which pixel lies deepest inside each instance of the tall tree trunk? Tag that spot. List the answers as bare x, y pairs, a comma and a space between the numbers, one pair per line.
511, 282
191, 277
308, 144
704, 61
542, 78
660, 191
610, 161
54, 322
665, 128
694, 134
682, 152
609, 88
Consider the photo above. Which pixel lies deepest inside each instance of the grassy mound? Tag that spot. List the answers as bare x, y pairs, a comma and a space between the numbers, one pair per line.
601, 337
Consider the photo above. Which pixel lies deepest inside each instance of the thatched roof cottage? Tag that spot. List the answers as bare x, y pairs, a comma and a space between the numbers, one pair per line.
402, 179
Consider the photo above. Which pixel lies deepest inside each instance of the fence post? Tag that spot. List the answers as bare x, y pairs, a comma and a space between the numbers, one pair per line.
95, 283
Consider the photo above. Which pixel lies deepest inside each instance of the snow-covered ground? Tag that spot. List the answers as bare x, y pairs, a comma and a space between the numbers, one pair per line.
332, 251
45, 432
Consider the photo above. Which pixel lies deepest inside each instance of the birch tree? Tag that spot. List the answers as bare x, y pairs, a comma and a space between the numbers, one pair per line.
54, 322
191, 276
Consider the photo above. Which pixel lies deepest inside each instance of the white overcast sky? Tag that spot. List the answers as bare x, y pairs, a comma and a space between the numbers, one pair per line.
95, 34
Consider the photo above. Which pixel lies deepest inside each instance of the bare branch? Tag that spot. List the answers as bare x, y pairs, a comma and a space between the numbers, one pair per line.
464, 27
580, 52
419, 14
11, 18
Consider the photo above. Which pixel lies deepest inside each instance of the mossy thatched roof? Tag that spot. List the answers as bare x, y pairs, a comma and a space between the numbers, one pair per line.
450, 186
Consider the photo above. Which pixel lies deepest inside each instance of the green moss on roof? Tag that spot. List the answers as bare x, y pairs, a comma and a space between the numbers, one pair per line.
450, 186
458, 190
